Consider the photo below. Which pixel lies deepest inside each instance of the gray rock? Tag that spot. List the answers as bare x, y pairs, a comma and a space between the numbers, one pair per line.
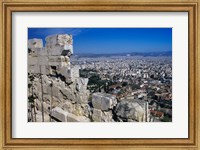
67, 94
35, 43
107, 116
59, 114
68, 106
81, 84
86, 110
83, 96
74, 118
65, 116
131, 109
97, 115
102, 116
103, 101
77, 109
57, 43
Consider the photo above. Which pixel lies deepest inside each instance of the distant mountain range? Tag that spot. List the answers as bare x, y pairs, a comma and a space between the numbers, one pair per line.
155, 54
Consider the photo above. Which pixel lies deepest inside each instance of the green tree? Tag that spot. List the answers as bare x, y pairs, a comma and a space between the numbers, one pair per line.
124, 84
166, 119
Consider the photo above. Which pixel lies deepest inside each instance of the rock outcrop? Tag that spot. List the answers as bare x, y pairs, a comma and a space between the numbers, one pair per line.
128, 110
102, 107
102, 116
35, 43
60, 115
103, 101
56, 84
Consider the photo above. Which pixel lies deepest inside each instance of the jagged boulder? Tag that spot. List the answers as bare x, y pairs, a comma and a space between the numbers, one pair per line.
102, 116
46, 106
35, 43
81, 84
103, 101
62, 91
59, 114
64, 116
74, 118
77, 109
59, 44
131, 109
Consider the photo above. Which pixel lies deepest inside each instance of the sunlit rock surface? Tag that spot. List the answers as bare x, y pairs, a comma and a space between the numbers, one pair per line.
103, 101
132, 110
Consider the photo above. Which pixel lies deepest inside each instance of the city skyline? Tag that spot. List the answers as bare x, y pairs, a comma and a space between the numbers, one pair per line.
111, 40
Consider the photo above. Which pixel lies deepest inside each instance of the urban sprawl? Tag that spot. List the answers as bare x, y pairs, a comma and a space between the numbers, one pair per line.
132, 77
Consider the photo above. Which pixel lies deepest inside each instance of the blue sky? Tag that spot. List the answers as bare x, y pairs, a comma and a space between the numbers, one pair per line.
112, 40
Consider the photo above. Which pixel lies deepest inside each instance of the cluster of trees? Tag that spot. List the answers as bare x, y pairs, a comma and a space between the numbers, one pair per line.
166, 118
96, 84
135, 86
86, 73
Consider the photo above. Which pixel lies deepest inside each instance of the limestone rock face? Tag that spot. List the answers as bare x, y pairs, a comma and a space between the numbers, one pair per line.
59, 39
81, 84
103, 101
71, 73
64, 116
54, 58
77, 109
39, 103
35, 43
56, 93
82, 97
59, 114
130, 109
102, 116
74, 118
59, 44
61, 90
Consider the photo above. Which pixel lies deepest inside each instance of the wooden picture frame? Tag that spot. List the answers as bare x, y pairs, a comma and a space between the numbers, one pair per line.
9, 6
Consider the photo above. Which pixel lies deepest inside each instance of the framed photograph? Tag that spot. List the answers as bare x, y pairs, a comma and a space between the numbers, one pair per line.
107, 75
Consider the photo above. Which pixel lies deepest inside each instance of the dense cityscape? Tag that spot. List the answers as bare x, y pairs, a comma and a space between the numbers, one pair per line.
132, 77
